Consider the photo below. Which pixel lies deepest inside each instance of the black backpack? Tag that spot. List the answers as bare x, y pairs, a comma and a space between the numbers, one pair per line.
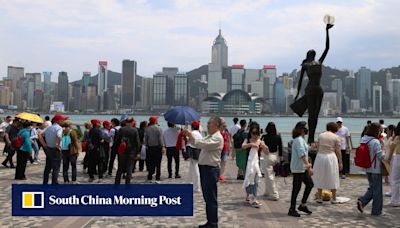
238, 139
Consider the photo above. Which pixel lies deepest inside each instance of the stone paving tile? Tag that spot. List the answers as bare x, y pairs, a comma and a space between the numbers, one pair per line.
233, 210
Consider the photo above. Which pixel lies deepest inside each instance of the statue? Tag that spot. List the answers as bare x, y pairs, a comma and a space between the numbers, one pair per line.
312, 99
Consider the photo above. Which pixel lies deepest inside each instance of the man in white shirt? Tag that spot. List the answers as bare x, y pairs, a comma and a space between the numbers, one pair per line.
235, 127
170, 137
345, 143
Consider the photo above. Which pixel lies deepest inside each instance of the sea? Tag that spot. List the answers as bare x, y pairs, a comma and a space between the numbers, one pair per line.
284, 124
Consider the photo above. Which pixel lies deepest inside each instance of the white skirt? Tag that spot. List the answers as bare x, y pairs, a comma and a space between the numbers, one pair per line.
326, 171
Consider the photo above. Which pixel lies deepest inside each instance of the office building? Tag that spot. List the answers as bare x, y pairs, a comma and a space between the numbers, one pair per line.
377, 98
180, 89
102, 83
364, 87
217, 79
128, 82
63, 89
47, 81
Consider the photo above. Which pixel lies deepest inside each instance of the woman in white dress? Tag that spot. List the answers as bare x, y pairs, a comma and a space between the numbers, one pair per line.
194, 173
328, 162
254, 145
394, 157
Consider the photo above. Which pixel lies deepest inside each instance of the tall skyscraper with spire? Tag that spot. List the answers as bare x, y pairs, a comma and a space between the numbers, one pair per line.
217, 81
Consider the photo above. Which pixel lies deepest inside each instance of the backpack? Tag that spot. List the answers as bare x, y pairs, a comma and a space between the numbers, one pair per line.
362, 158
17, 142
122, 146
66, 141
238, 138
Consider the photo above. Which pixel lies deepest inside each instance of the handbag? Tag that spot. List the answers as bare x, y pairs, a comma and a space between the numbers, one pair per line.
385, 168
299, 106
194, 153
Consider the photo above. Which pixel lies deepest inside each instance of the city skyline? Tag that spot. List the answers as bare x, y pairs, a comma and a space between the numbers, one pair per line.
257, 33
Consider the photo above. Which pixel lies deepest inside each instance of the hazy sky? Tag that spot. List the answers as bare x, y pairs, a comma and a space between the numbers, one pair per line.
72, 36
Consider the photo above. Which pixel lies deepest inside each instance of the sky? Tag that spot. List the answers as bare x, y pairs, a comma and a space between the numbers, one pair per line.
72, 36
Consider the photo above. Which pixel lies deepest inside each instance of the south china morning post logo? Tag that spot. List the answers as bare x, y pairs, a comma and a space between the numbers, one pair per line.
33, 200
103, 200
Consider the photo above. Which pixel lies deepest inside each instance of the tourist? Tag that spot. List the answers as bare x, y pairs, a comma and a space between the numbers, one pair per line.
155, 148
129, 135
69, 148
365, 128
209, 161
85, 141
275, 146
387, 142
301, 169
345, 146
225, 150
24, 152
394, 157
106, 144
143, 149
170, 136
3, 126
235, 127
35, 138
96, 151
52, 148
194, 153
374, 173
47, 121
114, 146
240, 154
254, 145
328, 162
10, 135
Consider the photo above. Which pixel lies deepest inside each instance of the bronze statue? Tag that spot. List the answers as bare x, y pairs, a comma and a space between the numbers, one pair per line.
312, 99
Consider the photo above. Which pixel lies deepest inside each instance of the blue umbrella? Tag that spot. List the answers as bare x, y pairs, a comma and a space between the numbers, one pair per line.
181, 115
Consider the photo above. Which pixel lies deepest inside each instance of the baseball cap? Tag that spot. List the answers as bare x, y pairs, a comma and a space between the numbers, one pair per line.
339, 119
196, 123
95, 121
58, 117
153, 119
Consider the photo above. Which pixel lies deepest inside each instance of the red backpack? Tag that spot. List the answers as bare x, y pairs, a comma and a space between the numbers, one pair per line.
17, 142
362, 158
122, 147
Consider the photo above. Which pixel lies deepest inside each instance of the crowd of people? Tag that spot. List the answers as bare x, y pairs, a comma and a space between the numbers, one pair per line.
256, 152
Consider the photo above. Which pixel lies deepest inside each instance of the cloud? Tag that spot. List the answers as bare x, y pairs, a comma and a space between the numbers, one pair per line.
74, 35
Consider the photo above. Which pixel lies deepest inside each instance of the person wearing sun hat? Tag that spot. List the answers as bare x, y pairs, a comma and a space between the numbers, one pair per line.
155, 144
345, 143
52, 148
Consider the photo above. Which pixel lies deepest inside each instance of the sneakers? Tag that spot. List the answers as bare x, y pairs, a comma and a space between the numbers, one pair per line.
388, 194
256, 204
177, 176
360, 207
293, 213
169, 175
91, 180
304, 209
272, 198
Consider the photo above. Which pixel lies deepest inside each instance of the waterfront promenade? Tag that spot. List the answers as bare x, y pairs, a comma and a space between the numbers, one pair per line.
233, 210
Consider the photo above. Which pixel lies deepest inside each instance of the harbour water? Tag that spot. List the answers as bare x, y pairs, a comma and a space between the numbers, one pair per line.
284, 124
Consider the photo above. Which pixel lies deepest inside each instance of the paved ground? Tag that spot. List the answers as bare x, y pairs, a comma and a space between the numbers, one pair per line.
233, 211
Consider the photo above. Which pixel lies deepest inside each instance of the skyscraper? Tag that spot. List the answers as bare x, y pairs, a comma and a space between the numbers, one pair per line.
85, 81
128, 82
280, 99
47, 81
364, 87
102, 83
180, 89
377, 98
237, 79
269, 76
159, 90
16, 74
63, 88
337, 85
217, 81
